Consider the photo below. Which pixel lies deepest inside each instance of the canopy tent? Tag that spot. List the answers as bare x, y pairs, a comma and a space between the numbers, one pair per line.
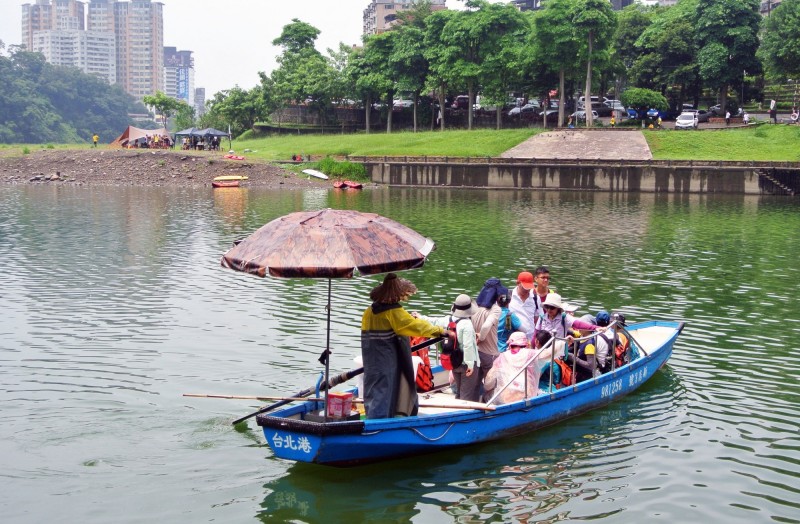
192, 131
132, 134
210, 131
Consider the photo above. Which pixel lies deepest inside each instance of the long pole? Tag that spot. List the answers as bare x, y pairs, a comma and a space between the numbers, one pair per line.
335, 381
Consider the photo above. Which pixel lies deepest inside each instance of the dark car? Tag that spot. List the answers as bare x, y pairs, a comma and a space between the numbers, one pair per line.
601, 109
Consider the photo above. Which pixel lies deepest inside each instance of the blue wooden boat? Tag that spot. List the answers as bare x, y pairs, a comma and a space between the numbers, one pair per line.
299, 433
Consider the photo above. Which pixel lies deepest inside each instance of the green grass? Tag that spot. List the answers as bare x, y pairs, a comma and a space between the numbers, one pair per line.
776, 143
482, 142
763, 142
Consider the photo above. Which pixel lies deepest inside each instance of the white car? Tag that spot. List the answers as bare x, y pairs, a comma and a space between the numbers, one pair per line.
580, 116
685, 121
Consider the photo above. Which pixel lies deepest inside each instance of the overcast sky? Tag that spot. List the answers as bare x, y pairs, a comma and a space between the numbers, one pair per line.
231, 39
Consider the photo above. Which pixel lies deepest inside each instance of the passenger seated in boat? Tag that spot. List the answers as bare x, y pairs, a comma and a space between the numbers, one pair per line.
389, 379
556, 320
504, 377
467, 375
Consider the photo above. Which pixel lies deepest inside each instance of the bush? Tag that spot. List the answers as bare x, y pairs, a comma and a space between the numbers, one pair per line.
26, 150
345, 169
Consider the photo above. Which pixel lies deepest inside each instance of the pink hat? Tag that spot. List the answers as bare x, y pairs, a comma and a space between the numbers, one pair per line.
517, 338
526, 279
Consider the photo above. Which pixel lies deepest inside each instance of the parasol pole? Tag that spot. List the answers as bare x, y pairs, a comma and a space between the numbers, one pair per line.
328, 348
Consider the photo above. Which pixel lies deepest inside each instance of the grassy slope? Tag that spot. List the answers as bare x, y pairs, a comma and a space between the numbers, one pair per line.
482, 142
765, 142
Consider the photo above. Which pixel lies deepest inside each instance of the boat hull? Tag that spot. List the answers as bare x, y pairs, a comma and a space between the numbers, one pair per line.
225, 183
349, 443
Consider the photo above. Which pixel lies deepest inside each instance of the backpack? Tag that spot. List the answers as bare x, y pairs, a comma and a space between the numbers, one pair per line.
452, 354
562, 374
620, 353
424, 377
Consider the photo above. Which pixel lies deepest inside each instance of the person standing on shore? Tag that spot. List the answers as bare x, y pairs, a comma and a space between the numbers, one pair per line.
95, 138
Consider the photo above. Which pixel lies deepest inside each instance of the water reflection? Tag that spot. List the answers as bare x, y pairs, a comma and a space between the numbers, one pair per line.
114, 304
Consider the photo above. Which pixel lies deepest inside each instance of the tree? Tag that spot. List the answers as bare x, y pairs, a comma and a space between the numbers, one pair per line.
594, 23
555, 43
164, 105
408, 53
631, 23
473, 35
41, 102
726, 32
439, 75
303, 74
642, 99
668, 53
780, 41
378, 76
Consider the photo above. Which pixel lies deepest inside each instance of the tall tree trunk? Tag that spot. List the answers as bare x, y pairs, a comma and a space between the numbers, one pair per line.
441, 107
587, 99
368, 113
471, 100
416, 97
389, 107
562, 98
499, 116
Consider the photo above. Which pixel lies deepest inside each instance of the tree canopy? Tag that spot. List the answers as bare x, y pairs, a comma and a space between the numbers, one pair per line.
41, 102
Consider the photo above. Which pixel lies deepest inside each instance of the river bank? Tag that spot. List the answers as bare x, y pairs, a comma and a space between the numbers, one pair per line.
141, 167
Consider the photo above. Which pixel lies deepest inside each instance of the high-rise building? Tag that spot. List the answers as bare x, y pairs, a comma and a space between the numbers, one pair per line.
179, 74
138, 28
199, 102
55, 28
90, 51
47, 15
381, 14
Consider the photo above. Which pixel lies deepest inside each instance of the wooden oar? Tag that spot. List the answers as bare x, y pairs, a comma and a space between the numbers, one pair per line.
347, 375
423, 403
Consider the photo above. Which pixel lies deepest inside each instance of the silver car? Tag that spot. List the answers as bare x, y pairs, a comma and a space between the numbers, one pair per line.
685, 121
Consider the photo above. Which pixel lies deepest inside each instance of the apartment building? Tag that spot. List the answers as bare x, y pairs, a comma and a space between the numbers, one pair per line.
91, 52
138, 28
47, 15
179, 74
199, 101
533, 5
381, 14
56, 28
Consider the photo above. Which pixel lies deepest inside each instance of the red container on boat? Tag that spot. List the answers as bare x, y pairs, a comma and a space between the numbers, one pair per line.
340, 404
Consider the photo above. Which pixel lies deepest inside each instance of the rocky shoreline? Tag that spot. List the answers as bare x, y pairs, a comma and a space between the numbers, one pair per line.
142, 167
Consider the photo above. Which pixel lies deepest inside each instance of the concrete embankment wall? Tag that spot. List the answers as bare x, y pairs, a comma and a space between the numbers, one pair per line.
648, 176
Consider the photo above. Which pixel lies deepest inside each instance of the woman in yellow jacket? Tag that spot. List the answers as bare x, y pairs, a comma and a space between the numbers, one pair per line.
389, 381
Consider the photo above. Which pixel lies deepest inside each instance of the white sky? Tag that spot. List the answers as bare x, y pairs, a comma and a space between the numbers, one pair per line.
231, 39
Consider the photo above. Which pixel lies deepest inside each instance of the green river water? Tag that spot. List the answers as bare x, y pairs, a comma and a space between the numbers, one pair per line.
114, 304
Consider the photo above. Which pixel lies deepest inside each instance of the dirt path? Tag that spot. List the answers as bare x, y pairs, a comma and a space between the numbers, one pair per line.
585, 145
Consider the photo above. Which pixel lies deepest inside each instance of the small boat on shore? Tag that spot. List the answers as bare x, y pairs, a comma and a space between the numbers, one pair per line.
304, 433
347, 184
227, 181
315, 173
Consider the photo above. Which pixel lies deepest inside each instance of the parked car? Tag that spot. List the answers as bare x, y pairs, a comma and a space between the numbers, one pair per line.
615, 105
403, 104
685, 121
550, 116
461, 102
601, 109
529, 109
580, 116
702, 115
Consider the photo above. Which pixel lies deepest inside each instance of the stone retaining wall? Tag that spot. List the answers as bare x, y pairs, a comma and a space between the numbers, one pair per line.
652, 177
